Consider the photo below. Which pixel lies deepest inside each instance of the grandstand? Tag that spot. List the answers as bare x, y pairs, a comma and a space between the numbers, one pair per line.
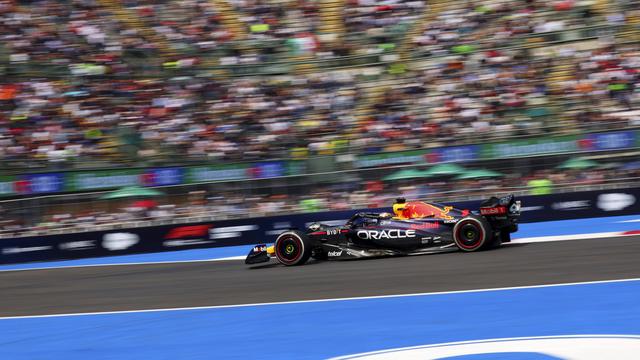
110, 84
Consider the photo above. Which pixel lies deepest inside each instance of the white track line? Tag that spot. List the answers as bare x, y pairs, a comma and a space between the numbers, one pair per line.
324, 300
553, 238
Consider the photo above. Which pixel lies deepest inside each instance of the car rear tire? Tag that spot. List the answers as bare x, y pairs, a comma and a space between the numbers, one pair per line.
293, 248
473, 233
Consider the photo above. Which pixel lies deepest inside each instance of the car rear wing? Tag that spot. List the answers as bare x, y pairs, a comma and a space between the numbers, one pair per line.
504, 206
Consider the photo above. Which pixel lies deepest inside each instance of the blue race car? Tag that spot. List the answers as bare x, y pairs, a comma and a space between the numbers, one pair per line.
414, 228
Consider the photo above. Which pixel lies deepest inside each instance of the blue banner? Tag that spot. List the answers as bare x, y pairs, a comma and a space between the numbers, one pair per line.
268, 170
163, 176
42, 183
454, 154
611, 140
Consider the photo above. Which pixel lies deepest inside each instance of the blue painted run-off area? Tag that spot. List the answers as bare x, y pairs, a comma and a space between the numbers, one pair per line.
316, 330
549, 228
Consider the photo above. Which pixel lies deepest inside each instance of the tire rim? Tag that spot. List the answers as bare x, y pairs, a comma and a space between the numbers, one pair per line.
289, 249
469, 235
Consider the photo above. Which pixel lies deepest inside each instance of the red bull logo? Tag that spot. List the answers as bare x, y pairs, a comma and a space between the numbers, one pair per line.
429, 225
419, 209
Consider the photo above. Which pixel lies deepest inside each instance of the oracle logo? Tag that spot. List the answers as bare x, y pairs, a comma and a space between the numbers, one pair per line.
386, 234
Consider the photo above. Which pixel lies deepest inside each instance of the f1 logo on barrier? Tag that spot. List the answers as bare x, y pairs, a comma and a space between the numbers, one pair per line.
188, 231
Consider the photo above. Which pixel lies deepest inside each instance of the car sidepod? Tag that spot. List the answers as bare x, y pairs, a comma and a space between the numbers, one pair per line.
403, 235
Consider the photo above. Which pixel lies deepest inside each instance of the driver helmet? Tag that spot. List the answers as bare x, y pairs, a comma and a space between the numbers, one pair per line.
399, 206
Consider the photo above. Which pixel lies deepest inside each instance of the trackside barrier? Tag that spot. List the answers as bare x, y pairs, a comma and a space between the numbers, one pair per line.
265, 229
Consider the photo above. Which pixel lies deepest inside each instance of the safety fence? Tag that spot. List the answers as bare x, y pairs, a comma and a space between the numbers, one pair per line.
131, 239
50, 182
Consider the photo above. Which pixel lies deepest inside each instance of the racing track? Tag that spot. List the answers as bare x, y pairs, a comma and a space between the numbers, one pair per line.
136, 287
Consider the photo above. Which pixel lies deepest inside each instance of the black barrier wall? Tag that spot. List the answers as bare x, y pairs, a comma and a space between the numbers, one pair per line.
265, 229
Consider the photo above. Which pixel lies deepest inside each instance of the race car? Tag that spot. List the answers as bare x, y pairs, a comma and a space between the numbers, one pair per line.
415, 227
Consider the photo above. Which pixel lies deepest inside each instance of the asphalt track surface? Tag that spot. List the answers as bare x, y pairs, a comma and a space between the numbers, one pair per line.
153, 286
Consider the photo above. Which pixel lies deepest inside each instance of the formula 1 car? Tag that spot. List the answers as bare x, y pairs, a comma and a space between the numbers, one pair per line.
414, 228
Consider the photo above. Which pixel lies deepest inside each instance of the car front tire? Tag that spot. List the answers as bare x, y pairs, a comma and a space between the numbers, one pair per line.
293, 248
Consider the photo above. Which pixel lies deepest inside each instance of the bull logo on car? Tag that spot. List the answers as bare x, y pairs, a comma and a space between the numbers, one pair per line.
419, 209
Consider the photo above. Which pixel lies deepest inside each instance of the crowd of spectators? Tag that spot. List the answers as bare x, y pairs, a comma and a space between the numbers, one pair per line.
278, 19
506, 93
242, 119
78, 34
90, 32
464, 98
370, 26
377, 24
600, 74
187, 25
495, 23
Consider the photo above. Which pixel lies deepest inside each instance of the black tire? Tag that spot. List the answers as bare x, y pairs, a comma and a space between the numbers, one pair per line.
473, 233
293, 248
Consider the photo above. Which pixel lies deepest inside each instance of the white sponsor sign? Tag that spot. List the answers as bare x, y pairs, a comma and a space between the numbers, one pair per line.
18, 250
531, 208
615, 201
282, 225
329, 222
230, 231
175, 243
571, 205
78, 245
119, 241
